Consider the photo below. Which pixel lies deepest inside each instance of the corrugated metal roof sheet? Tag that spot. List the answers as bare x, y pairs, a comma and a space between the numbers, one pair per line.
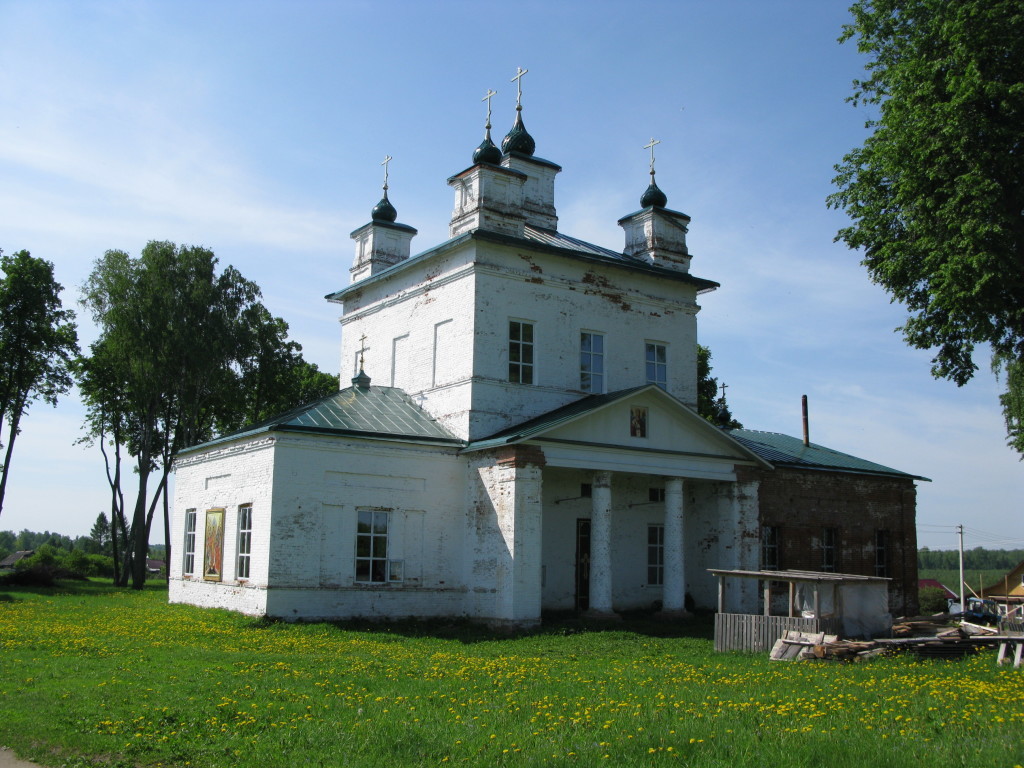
543, 238
558, 240
777, 448
375, 412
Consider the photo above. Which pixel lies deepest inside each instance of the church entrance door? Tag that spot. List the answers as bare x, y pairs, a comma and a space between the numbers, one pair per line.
582, 564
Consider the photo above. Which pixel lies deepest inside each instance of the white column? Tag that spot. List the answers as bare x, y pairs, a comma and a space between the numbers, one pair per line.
674, 591
601, 547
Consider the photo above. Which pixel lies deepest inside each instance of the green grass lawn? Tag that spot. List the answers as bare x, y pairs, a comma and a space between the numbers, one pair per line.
94, 676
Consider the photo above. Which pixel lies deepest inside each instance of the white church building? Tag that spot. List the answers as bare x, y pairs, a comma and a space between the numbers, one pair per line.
520, 434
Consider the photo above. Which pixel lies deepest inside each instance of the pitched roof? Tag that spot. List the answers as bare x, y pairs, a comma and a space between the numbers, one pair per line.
10, 560
783, 450
381, 413
549, 240
935, 584
535, 427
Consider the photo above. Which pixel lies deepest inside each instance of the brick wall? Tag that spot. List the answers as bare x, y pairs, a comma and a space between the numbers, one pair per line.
802, 504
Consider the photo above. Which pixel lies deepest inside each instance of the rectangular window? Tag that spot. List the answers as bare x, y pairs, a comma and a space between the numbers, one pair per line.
637, 421
591, 362
828, 550
881, 553
244, 541
655, 555
770, 548
188, 566
656, 358
520, 352
372, 547
655, 494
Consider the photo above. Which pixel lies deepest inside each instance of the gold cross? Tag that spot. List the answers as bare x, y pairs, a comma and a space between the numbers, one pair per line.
724, 385
387, 159
362, 344
518, 80
651, 147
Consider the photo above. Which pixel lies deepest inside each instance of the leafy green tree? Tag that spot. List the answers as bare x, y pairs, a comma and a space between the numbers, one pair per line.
932, 600
37, 343
183, 351
710, 403
936, 192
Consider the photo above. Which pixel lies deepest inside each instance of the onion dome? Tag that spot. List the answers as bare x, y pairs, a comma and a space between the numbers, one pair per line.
384, 210
653, 196
518, 140
361, 380
487, 152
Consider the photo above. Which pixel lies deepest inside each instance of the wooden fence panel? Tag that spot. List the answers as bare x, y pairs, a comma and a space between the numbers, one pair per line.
753, 632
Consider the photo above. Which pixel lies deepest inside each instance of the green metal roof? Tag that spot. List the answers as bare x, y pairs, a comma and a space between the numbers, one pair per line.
382, 413
548, 240
789, 451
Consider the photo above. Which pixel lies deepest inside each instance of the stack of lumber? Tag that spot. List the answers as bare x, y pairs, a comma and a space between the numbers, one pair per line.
929, 640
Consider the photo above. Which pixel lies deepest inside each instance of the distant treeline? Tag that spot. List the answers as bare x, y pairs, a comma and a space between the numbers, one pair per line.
977, 559
96, 544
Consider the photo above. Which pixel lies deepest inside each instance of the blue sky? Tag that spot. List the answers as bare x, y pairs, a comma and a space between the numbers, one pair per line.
257, 128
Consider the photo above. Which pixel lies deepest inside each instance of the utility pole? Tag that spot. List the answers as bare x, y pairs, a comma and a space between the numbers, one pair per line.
963, 603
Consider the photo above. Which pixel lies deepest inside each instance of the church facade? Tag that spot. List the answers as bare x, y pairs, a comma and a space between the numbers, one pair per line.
520, 434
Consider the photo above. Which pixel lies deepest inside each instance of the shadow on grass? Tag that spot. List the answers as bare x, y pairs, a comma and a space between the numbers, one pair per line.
700, 626
85, 587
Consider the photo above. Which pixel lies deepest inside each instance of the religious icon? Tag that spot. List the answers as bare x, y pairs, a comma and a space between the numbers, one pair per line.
213, 552
638, 421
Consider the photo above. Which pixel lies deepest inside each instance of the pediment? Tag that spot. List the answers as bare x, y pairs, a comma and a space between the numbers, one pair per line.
648, 420
643, 429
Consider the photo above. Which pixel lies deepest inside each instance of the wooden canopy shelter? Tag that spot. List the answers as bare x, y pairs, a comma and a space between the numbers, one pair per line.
835, 603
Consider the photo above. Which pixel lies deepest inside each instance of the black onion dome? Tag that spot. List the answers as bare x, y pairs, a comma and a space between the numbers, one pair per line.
384, 210
653, 196
487, 152
518, 140
361, 380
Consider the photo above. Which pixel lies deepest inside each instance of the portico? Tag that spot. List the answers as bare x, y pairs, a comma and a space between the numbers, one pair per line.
629, 525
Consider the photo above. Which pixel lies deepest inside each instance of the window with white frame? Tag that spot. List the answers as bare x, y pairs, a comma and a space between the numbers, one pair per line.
591, 362
655, 555
372, 546
244, 541
770, 548
188, 565
656, 361
520, 352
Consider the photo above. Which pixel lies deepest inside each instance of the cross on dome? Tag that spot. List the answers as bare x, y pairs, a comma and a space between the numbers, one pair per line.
518, 80
487, 152
650, 146
487, 97
653, 196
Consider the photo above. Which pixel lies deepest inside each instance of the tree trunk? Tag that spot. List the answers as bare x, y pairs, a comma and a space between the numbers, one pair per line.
12, 433
140, 531
167, 539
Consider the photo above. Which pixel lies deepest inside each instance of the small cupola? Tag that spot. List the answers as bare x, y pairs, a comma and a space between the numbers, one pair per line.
487, 152
656, 234
383, 242
488, 195
539, 189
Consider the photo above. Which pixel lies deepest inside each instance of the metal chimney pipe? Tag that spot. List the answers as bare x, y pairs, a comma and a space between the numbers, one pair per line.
807, 434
